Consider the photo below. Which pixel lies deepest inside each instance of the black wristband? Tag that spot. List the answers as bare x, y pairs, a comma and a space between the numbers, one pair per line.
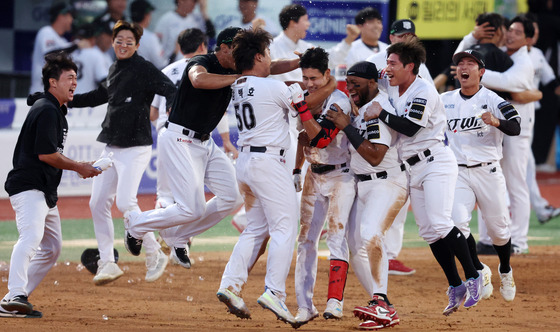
296, 171
353, 136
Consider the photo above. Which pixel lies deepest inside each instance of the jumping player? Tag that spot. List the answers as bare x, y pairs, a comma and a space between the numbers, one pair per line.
472, 113
431, 166
327, 154
262, 106
32, 185
382, 193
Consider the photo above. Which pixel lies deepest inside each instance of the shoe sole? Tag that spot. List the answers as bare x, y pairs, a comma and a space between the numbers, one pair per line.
300, 323
231, 308
105, 281
366, 315
262, 301
19, 307
330, 315
157, 276
32, 314
400, 273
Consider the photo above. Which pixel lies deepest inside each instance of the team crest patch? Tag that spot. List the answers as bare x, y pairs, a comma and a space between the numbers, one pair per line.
507, 110
373, 132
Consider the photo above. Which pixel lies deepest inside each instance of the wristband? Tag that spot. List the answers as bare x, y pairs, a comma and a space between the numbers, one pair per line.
304, 113
296, 171
353, 136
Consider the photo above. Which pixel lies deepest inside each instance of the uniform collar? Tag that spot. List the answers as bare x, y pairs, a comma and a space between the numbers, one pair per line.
53, 99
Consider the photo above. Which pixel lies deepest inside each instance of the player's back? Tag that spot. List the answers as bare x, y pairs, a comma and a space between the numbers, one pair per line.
262, 108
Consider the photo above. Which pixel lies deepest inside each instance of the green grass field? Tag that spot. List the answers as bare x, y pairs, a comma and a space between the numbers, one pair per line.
78, 235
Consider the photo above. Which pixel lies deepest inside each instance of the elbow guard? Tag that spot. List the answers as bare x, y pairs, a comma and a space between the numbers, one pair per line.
324, 138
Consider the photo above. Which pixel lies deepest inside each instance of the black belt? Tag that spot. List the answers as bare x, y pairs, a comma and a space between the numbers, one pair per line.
378, 175
415, 159
192, 133
321, 168
262, 149
474, 166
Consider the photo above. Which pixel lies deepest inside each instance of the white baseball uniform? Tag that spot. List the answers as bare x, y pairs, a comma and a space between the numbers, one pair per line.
328, 194
359, 51
151, 50
381, 196
47, 40
517, 78
432, 167
478, 149
170, 26
92, 68
262, 107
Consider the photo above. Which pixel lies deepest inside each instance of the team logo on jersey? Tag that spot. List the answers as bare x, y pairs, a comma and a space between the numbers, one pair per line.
417, 108
464, 124
507, 109
373, 131
450, 106
175, 71
182, 140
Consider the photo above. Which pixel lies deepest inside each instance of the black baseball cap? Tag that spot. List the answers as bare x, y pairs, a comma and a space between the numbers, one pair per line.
469, 54
227, 35
60, 8
139, 8
86, 30
401, 27
363, 69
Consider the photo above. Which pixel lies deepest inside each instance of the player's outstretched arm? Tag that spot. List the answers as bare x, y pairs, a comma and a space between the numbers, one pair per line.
58, 160
281, 66
202, 79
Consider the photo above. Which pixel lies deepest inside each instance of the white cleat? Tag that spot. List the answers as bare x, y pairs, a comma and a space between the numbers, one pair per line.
305, 315
271, 302
487, 287
507, 285
107, 272
155, 265
235, 303
333, 310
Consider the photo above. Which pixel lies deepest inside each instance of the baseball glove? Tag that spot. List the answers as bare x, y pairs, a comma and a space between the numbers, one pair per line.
90, 257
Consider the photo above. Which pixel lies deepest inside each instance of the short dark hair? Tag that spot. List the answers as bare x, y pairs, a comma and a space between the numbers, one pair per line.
528, 26
190, 39
291, 13
247, 44
55, 63
136, 29
366, 14
316, 58
409, 52
494, 20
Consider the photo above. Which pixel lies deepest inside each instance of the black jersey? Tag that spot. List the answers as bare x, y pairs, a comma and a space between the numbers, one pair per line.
43, 132
201, 109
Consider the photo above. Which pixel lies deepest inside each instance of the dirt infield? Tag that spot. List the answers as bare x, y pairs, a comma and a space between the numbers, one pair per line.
185, 299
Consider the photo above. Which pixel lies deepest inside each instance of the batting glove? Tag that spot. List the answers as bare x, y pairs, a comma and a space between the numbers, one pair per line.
297, 179
297, 93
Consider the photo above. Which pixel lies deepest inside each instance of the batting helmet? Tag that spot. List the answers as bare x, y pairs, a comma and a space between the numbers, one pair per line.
90, 257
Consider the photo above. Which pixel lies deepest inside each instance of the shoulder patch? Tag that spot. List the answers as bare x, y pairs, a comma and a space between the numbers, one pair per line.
373, 131
507, 109
417, 108
421, 101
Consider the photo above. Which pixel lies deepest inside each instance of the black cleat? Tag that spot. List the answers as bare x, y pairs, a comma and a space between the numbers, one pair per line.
18, 304
181, 257
133, 245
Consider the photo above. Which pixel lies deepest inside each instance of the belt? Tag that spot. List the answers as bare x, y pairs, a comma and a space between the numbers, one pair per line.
321, 168
188, 132
378, 175
416, 158
264, 149
474, 166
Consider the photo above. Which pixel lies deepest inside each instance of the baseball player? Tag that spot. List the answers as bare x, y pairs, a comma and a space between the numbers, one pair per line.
382, 193
327, 154
204, 93
472, 112
131, 84
32, 185
262, 107
431, 167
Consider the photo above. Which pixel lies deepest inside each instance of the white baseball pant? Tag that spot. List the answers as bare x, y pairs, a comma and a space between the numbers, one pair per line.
39, 242
271, 203
119, 184
192, 164
326, 197
486, 187
395, 233
378, 203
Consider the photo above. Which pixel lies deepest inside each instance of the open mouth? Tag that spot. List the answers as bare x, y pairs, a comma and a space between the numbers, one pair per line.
464, 76
355, 98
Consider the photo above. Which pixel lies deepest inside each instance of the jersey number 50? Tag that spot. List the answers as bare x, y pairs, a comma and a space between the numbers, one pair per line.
245, 118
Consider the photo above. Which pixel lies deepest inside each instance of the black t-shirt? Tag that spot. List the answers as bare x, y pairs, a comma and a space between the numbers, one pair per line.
496, 60
43, 132
201, 109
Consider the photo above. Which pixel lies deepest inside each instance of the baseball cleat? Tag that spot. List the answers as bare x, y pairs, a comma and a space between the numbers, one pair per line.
107, 272
18, 304
456, 297
507, 285
132, 244
235, 303
305, 315
373, 325
15, 314
485, 249
271, 302
474, 289
333, 309
180, 256
377, 310
487, 287
549, 213
397, 267
155, 265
